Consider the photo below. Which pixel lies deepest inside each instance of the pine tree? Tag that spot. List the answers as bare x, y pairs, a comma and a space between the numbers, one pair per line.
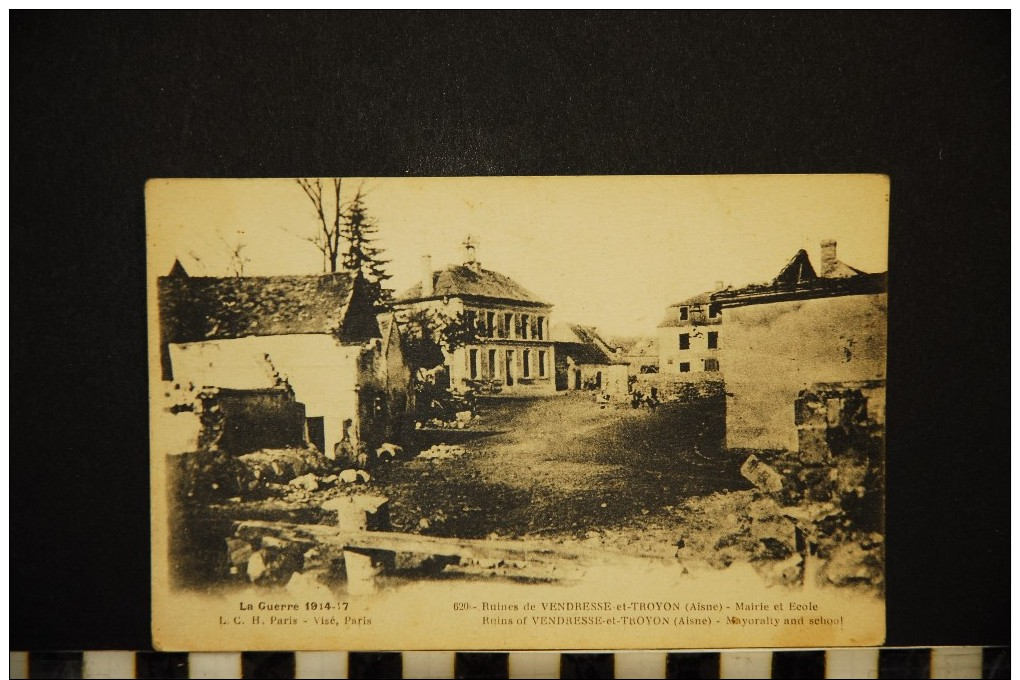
362, 255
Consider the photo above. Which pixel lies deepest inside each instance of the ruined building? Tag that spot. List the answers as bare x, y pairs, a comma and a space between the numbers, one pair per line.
771, 340
270, 340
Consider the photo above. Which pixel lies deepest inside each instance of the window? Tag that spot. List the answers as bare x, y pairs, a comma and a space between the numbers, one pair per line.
524, 327
492, 364
713, 340
539, 328
508, 325
714, 310
685, 366
711, 364
541, 363
471, 317
683, 313
685, 341
490, 324
473, 363
526, 363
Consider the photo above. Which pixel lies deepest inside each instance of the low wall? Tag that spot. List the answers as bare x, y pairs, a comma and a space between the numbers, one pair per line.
679, 387
696, 402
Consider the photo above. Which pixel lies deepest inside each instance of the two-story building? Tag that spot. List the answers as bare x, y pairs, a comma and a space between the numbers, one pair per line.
513, 348
689, 336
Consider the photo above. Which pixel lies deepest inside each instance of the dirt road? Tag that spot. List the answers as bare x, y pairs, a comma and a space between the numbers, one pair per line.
560, 466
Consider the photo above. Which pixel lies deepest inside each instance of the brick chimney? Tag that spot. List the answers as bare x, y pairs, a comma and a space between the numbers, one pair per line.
829, 260
427, 289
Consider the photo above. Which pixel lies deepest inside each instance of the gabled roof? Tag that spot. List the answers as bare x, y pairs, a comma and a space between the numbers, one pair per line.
583, 344
209, 308
638, 347
465, 281
797, 270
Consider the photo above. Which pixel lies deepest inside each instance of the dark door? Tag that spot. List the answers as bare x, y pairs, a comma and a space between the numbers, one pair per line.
317, 432
509, 367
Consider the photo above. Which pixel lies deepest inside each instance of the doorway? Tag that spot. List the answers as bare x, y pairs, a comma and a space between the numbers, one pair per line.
317, 432
509, 367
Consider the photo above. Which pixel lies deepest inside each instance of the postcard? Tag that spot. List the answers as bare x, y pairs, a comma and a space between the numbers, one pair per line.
518, 413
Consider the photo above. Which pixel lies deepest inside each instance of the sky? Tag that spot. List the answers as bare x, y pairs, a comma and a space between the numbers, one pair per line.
606, 251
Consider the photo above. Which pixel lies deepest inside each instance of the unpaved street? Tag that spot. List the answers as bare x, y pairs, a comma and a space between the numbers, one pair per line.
559, 466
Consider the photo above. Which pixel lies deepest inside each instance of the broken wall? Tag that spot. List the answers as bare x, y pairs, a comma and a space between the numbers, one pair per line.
825, 500
773, 351
242, 421
323, 373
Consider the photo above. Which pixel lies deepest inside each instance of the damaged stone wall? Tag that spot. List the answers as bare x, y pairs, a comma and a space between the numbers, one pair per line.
825, 501
769, 352
242, 421
680, 389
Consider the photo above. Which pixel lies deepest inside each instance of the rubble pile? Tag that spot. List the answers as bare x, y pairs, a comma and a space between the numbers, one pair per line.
272, 554
822, 503
442, 452
294, 474
460, 421
830, 490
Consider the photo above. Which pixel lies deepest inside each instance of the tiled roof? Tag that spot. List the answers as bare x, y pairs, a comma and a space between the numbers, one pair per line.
642, 347
472, 282
208, 308
583, 344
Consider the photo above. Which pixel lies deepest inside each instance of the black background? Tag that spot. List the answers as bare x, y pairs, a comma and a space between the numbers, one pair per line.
101, 102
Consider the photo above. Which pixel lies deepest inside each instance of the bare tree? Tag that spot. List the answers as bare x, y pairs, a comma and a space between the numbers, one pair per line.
327, 235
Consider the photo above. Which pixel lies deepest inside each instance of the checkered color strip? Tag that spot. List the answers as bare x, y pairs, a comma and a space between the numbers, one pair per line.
938, 662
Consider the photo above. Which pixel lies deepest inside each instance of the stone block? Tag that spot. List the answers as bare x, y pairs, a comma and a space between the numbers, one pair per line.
762, 475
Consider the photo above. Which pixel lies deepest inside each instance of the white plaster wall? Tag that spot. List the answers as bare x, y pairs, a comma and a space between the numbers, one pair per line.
322, 372
670, 354
772, 351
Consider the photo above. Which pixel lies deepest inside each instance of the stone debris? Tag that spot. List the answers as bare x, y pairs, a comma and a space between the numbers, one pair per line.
388, 451
442, 452
307, 482
352, 476
256, 567
855, 563
360, 512
761, 475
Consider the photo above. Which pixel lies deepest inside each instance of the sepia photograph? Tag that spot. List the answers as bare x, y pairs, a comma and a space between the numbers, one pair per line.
600, 412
